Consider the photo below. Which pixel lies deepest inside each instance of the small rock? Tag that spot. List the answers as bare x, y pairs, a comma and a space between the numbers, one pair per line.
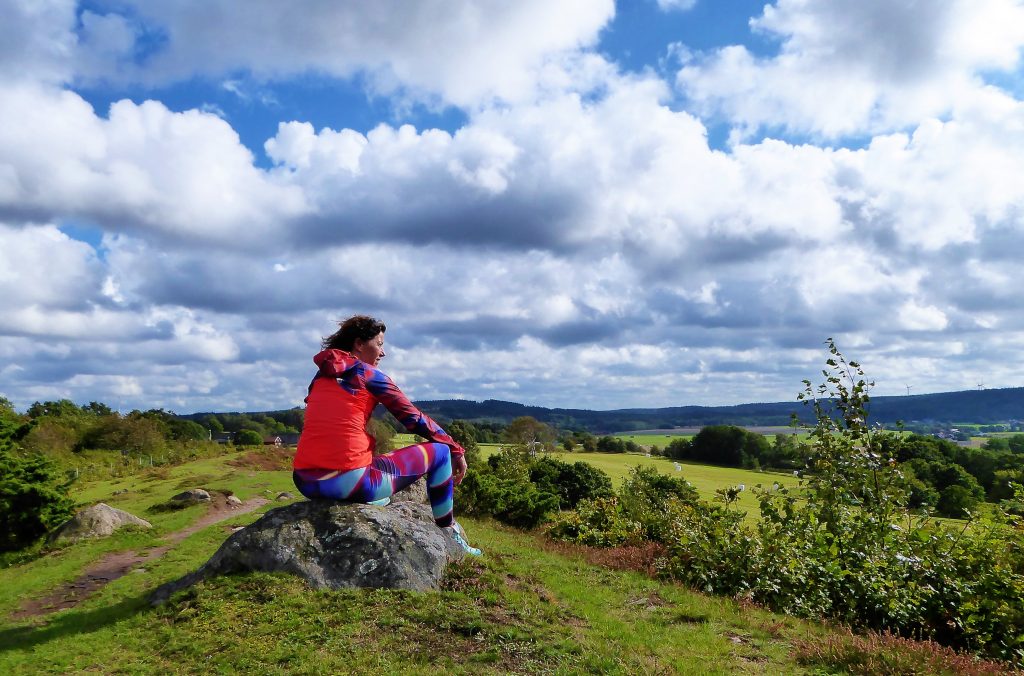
285, 495
233, 501
193, 495
99, 520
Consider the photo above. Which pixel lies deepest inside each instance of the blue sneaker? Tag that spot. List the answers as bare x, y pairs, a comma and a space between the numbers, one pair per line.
459, 535
383, 502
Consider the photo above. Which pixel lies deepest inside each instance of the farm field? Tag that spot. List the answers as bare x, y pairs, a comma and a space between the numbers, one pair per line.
705, 478
662, 438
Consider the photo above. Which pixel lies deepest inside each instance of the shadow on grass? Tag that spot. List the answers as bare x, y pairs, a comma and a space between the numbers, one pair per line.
71, 622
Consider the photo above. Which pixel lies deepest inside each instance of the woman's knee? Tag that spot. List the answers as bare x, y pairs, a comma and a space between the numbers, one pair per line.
442, 453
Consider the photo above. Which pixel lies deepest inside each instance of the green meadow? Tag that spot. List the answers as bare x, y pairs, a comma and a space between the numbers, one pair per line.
707, 479
659, 439
528, 606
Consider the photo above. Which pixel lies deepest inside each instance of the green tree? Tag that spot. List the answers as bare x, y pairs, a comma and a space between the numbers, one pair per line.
1002, 485
214, 424
728, 445
531, 433
97, 408
248, 438
464, 432
50, 436
383, 435
136, 433
679, 448
786, 452
33, 498
10, 421
956, 501
570, 482
64, 408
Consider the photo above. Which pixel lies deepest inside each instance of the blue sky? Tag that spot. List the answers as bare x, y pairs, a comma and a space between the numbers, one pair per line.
578, 204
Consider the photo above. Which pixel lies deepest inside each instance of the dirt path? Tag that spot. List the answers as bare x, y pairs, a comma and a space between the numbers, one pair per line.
119, 564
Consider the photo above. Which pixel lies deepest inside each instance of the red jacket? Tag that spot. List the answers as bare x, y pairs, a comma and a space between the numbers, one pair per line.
341, 398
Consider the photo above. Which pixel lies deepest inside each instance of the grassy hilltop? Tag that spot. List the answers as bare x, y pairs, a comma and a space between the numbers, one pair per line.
528, 606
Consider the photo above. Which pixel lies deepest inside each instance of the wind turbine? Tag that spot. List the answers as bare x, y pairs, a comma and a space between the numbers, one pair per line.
909, 387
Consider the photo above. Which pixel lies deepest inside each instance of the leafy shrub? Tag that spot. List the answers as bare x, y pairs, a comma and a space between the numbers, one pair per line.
644, 498
640, 512
846, 547
248, 438
708, 547
515, 502
33, 498
570, 482
522, 491
598, 523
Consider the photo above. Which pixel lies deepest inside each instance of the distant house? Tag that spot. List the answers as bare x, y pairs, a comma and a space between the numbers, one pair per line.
272, 441
289, 438
225, 437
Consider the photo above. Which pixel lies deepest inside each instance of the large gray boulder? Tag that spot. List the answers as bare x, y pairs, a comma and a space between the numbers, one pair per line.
100, 520
337, 545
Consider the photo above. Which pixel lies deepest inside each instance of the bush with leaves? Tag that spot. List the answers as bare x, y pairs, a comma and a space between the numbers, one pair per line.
570, 482
502, 489
597, 523
639, 512
248, 438
845, 546
33, 498
645, 497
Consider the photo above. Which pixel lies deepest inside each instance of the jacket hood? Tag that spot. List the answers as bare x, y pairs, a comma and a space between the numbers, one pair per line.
333, 363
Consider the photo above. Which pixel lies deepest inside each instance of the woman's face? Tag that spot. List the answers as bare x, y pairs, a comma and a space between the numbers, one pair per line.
370, 351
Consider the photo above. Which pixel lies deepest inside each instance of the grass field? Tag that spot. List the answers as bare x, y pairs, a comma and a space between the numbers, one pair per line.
528, 606
706, 478
662, 438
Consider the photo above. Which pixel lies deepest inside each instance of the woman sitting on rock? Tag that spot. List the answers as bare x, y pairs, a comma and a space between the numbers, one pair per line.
335, 453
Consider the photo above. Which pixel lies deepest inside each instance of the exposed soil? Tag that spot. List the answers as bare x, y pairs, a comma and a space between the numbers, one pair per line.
118, 564
266, 459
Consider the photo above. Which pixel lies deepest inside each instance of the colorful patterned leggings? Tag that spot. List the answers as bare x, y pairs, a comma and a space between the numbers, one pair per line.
386, 475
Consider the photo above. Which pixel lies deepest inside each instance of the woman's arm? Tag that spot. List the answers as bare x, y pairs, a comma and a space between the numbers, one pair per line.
386, 392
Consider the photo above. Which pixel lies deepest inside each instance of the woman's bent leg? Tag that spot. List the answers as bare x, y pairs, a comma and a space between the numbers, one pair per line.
388, 474
391, 472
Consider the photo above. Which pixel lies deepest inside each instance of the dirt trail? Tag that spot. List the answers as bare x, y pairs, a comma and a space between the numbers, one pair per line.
118, 564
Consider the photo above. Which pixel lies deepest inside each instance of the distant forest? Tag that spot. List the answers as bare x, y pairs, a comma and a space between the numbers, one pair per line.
980, 407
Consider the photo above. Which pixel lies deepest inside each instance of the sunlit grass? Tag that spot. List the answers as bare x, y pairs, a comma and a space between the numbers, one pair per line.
526, 607
707, 479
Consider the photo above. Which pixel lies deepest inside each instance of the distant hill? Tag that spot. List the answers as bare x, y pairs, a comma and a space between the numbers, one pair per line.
975, 406
970, 406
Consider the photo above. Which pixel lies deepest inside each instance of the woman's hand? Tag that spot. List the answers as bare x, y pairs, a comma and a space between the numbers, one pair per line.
458, 468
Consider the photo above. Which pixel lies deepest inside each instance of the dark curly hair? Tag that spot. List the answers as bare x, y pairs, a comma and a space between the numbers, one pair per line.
359, 327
